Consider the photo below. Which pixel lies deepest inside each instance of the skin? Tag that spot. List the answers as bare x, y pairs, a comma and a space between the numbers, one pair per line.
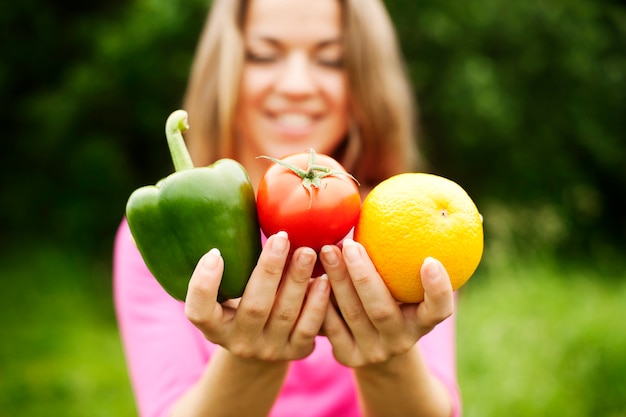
283, 310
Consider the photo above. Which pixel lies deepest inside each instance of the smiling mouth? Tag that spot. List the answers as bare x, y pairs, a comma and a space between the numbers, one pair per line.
294, 120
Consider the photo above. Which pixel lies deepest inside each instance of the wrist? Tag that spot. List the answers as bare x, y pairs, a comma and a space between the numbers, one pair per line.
233, 386
401, 386
392, 367
254, 365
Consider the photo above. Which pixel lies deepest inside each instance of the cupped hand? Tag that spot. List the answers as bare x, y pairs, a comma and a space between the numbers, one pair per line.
367, 326
280, 312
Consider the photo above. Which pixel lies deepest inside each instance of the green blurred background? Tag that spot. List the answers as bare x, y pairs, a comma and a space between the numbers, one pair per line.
522, 103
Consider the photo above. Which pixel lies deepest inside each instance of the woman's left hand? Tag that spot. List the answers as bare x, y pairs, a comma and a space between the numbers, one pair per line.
368, 326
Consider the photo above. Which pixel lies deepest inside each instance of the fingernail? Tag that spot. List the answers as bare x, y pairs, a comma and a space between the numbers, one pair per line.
279, 243
350, 250
330, 257
431, 269
322, 285
210, 260
306, 257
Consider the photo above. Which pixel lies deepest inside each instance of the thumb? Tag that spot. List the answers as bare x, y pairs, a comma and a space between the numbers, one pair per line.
203, 286
438, 295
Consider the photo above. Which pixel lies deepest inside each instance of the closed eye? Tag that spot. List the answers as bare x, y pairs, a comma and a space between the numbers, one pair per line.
330, 53
331, 63
261, 58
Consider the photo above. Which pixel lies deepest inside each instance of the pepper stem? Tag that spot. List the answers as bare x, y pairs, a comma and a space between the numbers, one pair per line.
175, 125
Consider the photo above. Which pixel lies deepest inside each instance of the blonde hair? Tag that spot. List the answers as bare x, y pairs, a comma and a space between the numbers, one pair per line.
381, 141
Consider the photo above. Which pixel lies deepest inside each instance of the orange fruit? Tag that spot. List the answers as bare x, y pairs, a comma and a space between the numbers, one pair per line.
409, 217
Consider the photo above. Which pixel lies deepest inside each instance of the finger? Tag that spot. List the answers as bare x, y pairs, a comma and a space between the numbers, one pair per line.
345, 292
201, 306
339, 335
313, 314
438, 301
258, 297
291, 293
334, 326
379, 305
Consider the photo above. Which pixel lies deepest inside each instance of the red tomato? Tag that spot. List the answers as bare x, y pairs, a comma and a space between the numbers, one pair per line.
312, 216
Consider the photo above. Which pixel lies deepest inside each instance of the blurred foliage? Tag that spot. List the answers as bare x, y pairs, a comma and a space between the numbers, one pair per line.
522, 103
85, 112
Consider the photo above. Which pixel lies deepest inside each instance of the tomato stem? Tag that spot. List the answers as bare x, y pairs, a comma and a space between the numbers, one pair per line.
313, 171
312, 176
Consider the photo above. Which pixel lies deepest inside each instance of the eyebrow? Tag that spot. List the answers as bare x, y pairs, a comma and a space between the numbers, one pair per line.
277, 43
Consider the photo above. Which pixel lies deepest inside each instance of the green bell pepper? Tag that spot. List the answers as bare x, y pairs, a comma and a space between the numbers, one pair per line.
191, 211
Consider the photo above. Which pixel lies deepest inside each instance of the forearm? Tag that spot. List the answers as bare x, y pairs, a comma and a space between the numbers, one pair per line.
402, 386
232, 386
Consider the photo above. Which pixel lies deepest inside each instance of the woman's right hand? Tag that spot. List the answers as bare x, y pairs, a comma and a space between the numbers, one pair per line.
278, 316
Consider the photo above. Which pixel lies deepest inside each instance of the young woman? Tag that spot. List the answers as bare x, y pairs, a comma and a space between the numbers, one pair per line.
274, 77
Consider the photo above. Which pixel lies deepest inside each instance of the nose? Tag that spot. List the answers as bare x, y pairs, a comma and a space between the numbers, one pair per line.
296, 80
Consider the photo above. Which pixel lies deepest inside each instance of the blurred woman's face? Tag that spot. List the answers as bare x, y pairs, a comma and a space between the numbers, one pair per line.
293, 94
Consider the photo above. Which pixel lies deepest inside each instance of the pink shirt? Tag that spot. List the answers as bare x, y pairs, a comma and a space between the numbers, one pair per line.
166, 354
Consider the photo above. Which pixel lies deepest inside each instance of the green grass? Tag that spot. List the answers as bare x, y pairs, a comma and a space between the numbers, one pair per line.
61, 354
533, 340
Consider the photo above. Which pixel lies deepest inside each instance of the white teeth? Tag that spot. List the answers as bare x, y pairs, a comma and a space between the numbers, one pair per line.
294, 120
